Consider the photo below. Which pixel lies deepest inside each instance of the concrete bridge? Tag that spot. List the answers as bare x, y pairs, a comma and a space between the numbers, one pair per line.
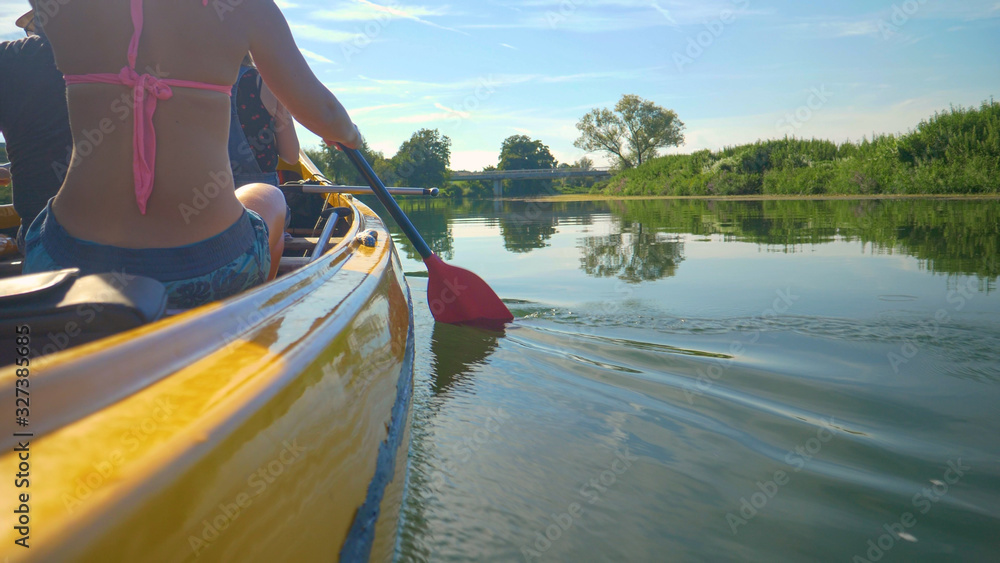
540, 174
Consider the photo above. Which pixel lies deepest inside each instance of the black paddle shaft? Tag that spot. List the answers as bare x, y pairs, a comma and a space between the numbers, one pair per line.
390, 204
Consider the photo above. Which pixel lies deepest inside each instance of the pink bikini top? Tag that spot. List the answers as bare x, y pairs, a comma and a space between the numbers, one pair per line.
146, 90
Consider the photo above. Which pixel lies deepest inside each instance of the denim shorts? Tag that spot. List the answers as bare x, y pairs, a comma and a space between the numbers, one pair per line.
215, 268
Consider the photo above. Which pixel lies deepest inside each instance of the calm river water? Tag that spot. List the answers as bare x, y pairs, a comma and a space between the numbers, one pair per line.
711, 381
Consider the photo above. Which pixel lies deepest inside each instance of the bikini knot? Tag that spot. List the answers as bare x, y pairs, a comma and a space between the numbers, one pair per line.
146, 82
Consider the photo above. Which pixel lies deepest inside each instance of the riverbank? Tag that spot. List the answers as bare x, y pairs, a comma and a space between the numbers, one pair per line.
565, 198
954, 152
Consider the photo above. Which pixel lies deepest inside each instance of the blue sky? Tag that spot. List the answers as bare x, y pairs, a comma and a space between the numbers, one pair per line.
734, 70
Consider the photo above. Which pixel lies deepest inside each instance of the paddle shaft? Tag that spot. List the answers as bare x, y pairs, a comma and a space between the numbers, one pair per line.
382, 193
358, 190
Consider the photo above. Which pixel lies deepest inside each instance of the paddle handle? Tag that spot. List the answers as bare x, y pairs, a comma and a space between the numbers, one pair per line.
356, 158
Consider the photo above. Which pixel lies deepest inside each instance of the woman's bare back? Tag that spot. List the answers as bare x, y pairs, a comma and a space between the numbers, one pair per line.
193, 196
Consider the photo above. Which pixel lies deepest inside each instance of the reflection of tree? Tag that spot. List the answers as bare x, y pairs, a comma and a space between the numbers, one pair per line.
955, 237
522, 235
432, 218
456, 350
634, 256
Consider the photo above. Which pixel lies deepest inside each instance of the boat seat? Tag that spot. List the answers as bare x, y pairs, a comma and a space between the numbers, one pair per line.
63, 309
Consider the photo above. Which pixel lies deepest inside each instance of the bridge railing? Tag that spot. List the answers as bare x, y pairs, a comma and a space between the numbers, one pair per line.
526, 174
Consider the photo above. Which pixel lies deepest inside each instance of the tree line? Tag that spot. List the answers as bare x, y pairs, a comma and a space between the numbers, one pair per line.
630, 133
424, 161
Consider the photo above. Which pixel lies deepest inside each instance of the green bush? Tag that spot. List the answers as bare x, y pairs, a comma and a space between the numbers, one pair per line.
956, 151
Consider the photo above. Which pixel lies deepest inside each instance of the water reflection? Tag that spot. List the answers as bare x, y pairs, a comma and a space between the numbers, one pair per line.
525, 236
635, 255
946, 236
456, 350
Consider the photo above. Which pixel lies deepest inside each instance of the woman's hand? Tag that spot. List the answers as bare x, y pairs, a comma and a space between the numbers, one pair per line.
353, 141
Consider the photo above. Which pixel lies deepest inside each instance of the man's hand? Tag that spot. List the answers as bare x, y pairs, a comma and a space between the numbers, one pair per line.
5, 174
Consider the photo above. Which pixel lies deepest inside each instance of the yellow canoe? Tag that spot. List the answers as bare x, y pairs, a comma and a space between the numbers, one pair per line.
271, 426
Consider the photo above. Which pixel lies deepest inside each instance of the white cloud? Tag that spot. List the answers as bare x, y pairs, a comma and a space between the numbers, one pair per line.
596, 16
472, 160
10, 11
367, 11
314, 56
371, 11
316, 33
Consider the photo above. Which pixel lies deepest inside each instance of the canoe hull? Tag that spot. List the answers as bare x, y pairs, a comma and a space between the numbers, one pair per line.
284, 441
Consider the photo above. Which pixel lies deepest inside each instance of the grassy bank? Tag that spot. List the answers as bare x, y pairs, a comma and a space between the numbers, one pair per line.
566, 198
954, 152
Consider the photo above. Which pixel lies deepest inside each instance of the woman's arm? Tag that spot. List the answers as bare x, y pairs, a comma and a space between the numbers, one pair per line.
286, 72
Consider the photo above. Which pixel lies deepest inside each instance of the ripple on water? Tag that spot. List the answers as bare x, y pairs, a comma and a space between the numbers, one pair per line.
711, 423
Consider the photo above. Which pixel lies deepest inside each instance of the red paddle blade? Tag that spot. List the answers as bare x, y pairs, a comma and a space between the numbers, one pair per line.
459, 296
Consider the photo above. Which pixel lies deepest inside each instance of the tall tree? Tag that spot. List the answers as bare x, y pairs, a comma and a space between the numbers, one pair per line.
632, 133
335, 165
520, 152
423, 160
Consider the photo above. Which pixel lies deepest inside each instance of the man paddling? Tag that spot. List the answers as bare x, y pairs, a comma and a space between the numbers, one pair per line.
33, 120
